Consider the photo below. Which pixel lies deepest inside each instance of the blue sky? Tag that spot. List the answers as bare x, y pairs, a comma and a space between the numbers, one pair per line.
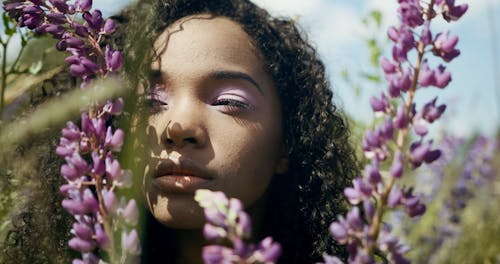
335, 28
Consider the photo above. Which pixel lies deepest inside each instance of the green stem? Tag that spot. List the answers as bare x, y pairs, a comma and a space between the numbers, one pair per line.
402, 134
4, 76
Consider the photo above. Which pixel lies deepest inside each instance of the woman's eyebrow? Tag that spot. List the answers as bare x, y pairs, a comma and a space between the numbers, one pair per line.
236, 75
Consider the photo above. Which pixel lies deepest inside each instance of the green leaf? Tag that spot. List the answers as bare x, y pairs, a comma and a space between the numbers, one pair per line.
377, 17
375, 78
344, 74
375, 54
9, 24
23, 40
36, 67
357, 90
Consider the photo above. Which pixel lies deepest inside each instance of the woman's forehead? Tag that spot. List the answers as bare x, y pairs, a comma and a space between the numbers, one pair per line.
205, 37
196, 46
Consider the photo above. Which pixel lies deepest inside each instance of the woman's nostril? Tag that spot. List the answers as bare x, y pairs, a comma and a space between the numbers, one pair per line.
170, 141
191, 140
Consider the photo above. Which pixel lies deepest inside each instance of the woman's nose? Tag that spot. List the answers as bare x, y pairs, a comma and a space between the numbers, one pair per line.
185, 128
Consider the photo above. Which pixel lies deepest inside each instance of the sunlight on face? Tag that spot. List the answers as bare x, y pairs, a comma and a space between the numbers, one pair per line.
215, 122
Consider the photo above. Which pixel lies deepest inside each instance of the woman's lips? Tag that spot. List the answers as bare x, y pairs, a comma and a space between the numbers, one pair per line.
184, 177
180, 183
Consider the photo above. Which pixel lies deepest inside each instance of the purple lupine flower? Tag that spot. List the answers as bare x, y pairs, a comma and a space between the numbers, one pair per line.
94, 20
130, 242
411, 13
451, 12
215, 254
442, 77
226, 221
401, 118
83, 5
364, 234
113, 59
331, 259
267, 251
389, 243
361, 189
397, 166
426, 77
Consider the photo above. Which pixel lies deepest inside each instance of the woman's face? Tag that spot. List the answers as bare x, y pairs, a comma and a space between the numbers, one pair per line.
215, 121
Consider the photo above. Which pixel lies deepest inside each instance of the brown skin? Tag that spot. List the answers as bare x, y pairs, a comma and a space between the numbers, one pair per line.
216, 109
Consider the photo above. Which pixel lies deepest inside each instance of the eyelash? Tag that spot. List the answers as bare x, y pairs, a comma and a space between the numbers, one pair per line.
233, 103
156, 105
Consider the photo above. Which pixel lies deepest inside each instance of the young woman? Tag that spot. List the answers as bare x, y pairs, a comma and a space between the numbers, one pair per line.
234, 101
239, 103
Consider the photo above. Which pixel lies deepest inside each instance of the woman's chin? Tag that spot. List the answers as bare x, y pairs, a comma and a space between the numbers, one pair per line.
178, 212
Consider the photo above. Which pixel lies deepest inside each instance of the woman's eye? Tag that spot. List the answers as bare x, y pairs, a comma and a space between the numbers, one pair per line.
156, 102
232, 104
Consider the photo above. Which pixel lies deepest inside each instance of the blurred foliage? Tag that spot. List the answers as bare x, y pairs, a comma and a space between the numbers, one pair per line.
375, 44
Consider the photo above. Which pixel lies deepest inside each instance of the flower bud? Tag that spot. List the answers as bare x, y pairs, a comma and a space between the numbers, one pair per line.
109, 26
244, 226
354, 219
369, 209
80, 29
109, 199
452, 12
393, 34
387, 65
432, 156
215, 254
270, 251
69, 172
130, 242
396, 169
74, 207
82, 230
113, 59
57, 18
100, 236
90, 201
98, 164
442, 77
74, 42
394, 197
426, 36
131, 213
401, 119
60, 5
213, 233
113, 168
94, 19
426, 76
83, 5
339, 232
373, 174
81, 245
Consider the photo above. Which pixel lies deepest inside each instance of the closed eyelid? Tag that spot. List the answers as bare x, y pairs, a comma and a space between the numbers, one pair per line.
236, 93
228, 75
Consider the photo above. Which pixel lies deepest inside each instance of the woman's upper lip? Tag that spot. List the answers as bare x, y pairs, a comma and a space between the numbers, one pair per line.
184, 168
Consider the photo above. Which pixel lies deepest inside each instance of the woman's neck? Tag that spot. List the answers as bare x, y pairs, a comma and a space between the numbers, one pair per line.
191, 243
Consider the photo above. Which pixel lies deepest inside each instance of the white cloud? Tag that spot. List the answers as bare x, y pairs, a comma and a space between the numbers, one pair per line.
330, 26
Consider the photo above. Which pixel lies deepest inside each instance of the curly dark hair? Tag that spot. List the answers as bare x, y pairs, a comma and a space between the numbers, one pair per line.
322, 162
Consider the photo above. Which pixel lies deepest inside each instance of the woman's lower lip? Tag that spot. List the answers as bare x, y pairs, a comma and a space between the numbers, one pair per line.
179, 183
